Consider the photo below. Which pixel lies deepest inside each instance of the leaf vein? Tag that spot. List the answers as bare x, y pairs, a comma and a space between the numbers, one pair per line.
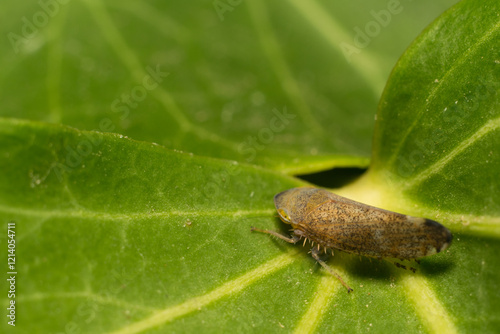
326, 288
434, 92
490, 126
427, 305
227, 289
87, 214
133, 65
365, 65
260, 18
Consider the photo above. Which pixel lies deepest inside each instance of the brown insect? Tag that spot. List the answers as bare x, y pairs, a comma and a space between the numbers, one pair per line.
335, 222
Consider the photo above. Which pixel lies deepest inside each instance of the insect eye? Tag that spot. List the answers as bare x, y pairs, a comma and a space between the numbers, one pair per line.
284, 216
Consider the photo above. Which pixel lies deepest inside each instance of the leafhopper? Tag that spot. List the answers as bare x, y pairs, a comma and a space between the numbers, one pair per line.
334, 222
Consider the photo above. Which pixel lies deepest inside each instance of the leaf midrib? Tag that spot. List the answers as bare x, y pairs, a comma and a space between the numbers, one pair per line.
88, 214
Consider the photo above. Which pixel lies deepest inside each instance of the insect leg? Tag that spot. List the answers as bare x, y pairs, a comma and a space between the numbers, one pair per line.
402, 266
291, 240
315, 255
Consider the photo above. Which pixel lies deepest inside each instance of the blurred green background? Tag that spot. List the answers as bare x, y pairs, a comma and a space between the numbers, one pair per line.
82, 63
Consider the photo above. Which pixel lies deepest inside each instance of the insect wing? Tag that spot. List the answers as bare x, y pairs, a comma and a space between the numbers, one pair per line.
333, 221
337, 222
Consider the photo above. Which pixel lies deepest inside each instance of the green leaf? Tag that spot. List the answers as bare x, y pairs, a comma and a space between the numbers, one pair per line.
229, 72
119, 235
110, 228
438, 122
436, 138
